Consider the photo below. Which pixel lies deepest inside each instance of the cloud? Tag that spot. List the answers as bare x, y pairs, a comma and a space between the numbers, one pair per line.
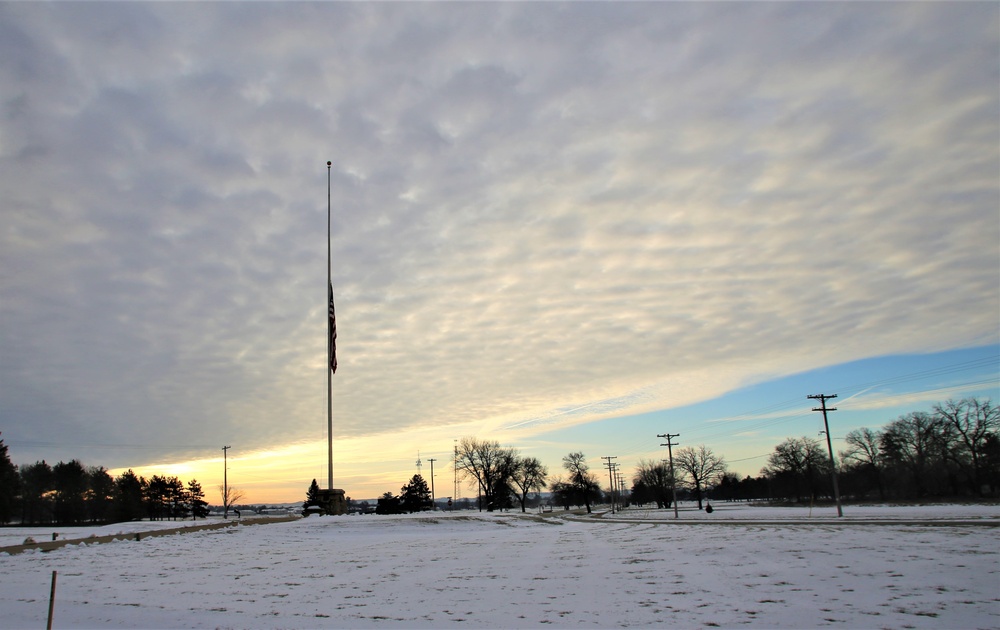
542, 214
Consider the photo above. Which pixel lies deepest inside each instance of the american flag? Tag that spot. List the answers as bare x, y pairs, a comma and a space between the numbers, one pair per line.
333, 335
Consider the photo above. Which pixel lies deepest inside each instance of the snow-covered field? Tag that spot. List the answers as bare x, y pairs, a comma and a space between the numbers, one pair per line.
744, 566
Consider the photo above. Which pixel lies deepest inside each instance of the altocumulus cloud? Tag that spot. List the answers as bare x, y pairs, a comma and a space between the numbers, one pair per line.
543, 213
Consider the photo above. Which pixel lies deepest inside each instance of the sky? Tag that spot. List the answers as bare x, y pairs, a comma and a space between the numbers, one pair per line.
562, 226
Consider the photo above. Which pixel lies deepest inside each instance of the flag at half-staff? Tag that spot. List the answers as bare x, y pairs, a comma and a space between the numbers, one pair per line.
333, 334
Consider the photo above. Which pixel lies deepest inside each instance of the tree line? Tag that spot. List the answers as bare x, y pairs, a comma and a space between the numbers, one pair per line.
70, 493
952, 451
415, 496
503, 478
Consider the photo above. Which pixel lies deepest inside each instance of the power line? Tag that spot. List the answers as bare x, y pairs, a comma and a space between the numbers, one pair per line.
797, 412
746, 459
801, 412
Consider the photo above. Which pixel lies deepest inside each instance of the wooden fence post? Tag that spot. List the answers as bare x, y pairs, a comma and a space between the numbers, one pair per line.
52, 600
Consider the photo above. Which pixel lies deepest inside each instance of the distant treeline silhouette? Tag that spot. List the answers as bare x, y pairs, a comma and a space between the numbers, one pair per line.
951, 452
71, 494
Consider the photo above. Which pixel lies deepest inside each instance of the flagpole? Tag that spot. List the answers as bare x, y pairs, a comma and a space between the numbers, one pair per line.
329, 348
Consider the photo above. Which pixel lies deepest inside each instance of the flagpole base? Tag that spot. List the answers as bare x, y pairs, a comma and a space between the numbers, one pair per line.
333, 501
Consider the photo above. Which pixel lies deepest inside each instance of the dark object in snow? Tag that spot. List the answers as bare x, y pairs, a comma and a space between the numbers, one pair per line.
709, 509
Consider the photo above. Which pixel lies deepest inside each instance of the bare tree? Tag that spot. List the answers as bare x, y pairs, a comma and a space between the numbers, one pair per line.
651, 482
582, 481
700, 466
529, 474
231, 495
490, 465
797, 460
864, 451
913, 444
971, 423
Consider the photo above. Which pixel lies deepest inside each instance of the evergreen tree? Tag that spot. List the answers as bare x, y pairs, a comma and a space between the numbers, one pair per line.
128, 494
37, 485
154, 498
71, 487
196, 500
312, 496
176, 498
415, 496
100, 496
10, 484
388, 503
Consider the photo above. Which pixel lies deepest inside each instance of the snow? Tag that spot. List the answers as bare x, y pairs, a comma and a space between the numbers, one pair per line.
739, 566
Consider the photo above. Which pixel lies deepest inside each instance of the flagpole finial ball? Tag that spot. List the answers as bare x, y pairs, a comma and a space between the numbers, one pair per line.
329, 163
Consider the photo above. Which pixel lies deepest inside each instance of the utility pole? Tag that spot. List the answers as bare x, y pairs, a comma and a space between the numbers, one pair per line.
225, 482
829, 445
611, 472
621, 489
670, 451
616, 493
432, 460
